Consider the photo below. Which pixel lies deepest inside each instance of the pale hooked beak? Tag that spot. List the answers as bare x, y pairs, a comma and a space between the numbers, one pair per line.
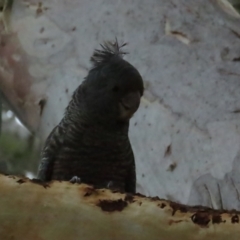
129, 105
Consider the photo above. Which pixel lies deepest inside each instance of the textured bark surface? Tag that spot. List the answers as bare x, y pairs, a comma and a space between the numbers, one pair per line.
186, 134
69, 211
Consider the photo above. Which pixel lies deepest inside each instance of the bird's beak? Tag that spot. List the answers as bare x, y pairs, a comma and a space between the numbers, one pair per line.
129, 105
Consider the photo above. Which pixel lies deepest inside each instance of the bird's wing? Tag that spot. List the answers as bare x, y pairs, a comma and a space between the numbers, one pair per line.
130, 183
50, 151
55, 141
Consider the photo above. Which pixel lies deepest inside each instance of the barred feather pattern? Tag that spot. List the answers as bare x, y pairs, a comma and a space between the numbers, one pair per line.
97, 156
91, 141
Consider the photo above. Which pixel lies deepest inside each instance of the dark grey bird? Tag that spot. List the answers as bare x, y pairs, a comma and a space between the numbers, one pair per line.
91, 141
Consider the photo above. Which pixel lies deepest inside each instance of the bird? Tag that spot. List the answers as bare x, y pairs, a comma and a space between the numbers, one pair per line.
91, 143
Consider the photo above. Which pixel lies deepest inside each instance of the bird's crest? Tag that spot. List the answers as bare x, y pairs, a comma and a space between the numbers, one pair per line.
109, 50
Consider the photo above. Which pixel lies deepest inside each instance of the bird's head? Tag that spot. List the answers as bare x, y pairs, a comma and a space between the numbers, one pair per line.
113, 87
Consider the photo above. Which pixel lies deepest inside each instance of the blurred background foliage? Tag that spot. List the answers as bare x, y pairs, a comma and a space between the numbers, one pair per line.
235, 4
19, 149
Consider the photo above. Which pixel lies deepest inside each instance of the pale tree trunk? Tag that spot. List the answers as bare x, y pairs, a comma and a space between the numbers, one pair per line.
69, 211
186, 133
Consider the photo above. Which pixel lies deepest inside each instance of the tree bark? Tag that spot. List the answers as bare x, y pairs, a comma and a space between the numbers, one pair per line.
185, 135
61, 210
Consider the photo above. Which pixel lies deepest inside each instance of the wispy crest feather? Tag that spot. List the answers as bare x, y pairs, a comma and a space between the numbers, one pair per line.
108, 51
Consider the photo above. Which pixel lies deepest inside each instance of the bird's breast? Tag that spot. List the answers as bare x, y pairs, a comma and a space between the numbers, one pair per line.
95, 163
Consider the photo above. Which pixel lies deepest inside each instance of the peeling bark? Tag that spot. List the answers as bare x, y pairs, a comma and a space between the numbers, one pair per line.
188, 53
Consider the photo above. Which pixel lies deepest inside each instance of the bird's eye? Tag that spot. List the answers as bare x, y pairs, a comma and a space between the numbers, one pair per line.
115, 89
